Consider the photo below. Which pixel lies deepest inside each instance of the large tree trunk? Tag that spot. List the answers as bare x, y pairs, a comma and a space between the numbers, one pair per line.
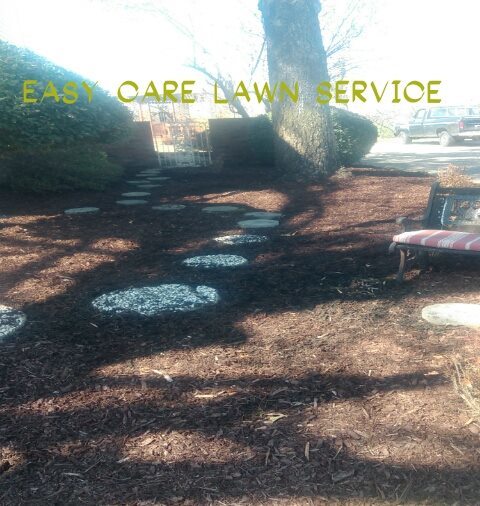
304, 140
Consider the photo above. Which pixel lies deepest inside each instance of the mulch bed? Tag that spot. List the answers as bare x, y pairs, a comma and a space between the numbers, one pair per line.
313, 381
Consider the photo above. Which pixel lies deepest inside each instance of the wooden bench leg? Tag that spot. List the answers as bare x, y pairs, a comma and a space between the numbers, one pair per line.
402, 266
423, 260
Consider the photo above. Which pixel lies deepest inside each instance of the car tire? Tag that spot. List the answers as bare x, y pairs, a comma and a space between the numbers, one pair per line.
405, 138
445, 139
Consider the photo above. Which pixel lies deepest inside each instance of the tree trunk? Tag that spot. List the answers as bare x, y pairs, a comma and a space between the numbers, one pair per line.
304, 140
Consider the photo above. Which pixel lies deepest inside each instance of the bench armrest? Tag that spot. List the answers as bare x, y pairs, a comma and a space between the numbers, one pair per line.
407, 224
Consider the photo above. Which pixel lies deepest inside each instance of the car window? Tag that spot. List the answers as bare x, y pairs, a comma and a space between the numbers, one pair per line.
458, 111
464, 111
439, 112
419, 114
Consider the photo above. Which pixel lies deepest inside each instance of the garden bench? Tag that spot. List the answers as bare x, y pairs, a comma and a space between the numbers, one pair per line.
451, 224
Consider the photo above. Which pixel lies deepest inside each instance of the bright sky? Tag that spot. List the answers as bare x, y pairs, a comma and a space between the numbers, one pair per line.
109, 42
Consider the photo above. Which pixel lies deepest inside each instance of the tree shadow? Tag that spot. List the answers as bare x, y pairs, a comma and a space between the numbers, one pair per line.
270, 447
71, 455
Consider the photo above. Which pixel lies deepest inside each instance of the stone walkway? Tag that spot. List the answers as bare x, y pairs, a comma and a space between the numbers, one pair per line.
179, 297
150, 301
165, 298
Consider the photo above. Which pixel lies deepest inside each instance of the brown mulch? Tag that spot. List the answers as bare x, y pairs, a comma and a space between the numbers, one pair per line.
313, 381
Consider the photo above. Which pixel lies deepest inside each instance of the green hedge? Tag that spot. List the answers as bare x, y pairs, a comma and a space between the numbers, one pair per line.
58, 169
355, 135
49, 123
52, 146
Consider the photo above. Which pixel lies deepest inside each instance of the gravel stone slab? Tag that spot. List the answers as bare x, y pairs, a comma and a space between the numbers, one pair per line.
235, 240
80, 210
452, 314
258, 223
153, 300
214, 261
10, 321
169, 207
220, 209
132, 202
136, 194
263, 214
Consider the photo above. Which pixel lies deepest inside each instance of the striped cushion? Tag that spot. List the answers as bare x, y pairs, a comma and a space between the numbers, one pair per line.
440, 239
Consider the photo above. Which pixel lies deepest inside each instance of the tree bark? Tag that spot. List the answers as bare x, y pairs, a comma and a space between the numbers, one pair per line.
304, 140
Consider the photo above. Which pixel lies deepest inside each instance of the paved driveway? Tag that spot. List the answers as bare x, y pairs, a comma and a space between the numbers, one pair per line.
426, 156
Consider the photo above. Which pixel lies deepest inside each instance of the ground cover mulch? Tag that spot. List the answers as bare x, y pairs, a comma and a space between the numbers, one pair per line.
313, 381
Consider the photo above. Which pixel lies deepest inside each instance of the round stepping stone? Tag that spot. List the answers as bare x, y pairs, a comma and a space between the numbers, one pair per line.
214, 261
157, 178
153, 300
236, 240
452, 314
148, 186
263, 214
220, 209
81, 210
258, 223
169, 207
131, 202
135, 194
10, 321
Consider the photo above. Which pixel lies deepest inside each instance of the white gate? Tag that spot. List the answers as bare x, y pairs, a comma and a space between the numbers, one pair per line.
179, 141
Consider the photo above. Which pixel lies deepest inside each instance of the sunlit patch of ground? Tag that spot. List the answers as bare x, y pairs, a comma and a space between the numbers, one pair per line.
177, 447
58, 278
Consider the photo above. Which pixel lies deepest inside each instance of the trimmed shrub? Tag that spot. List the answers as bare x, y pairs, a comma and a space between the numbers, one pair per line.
50, 123
355, 135
53, 146
53, 170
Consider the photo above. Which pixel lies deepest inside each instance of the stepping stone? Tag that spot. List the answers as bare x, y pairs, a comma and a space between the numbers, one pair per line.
10, 321
169, 207
157, 178
263, 214
136, 181
214, 261
452, 314
236, 240
81, 210
135, 194
220, 209
154, 300
148, 186
131, 202
258, 223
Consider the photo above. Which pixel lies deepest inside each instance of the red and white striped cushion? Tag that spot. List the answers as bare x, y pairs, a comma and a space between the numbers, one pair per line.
440, 239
